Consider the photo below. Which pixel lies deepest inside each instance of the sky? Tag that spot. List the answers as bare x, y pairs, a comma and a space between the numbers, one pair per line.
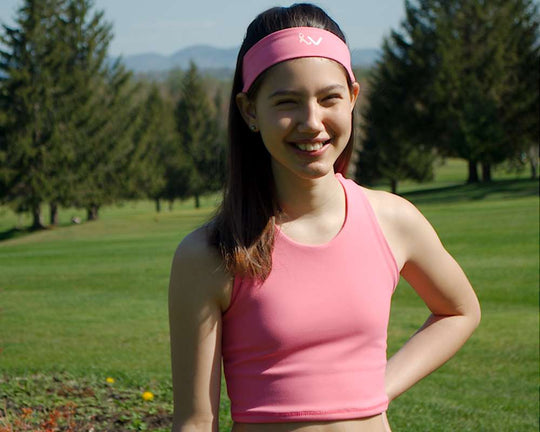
166, 26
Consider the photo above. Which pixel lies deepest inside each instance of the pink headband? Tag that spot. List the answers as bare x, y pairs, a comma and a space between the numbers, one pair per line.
294, 42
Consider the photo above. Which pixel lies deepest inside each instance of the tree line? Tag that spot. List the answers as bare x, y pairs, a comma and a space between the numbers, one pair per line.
459, 78
77, 129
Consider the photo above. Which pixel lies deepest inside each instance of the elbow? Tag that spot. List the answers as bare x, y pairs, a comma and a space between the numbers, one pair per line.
474, 315
477, 316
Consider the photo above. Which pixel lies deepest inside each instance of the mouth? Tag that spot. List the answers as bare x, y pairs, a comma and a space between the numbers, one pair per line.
311, 146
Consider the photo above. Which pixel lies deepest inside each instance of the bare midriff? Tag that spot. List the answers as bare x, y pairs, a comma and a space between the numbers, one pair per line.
368, 424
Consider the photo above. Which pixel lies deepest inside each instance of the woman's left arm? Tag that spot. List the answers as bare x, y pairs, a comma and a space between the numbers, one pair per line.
443, 286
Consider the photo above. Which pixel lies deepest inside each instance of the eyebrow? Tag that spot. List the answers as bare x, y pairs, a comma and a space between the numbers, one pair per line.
296, 93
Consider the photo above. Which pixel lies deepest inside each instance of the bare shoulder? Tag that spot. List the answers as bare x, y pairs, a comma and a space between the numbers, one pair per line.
392, 208
198, 270
402, 223
195, 246
396, 214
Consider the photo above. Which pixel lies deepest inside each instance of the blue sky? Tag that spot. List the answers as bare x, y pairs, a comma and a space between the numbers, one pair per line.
165, 26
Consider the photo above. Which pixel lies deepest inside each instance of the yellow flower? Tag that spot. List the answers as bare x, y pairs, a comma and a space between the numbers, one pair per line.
110, 380
148, 396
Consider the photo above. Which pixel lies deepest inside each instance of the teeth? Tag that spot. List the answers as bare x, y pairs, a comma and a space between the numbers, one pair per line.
310, 147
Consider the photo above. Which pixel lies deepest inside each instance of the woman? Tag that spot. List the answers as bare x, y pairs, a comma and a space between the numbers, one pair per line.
291, 282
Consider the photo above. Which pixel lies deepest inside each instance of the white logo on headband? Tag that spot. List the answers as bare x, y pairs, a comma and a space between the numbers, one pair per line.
310, 41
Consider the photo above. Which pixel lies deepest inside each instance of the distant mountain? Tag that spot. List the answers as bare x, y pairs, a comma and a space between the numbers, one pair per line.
148, 62
208, 57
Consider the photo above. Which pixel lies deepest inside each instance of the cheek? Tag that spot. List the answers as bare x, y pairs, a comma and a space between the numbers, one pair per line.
284, 122
275, 123
341, 120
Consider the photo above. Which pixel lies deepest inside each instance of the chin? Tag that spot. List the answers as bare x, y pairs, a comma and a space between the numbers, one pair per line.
309, 171
314, 173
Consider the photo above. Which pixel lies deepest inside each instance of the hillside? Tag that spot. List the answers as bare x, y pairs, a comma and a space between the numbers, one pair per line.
209, 57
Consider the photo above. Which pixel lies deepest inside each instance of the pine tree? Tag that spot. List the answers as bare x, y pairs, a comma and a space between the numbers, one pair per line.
29, 69
178, 168
394, 145
67, 113
470, 72
100, 110
487, 79
520, 95
154, 137
198, 135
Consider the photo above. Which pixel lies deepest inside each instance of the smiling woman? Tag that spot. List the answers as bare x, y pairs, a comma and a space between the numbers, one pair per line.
290, 283
311, 116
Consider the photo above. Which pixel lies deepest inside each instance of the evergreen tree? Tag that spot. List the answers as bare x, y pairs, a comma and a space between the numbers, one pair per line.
388, 151
178, 174
105, 154
178, 168
100, 111
520, 96
29, 68
487, 79
198, 135
469, 71
67, 113
154, 138
394, 144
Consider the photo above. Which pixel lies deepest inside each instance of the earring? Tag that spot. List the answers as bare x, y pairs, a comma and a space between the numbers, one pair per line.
253, 128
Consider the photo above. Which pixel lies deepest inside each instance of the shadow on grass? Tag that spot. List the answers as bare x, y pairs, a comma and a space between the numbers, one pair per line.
501, 189
13, 233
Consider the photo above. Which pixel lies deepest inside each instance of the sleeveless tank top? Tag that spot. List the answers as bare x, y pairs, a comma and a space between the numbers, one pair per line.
309, 343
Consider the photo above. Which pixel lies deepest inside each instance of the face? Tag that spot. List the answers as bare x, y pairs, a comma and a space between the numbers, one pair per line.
303, 111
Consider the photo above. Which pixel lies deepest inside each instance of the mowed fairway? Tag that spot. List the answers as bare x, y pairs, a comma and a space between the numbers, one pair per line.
91, 299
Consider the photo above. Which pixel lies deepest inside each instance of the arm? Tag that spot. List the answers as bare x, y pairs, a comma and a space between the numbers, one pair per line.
442, 285
196, 289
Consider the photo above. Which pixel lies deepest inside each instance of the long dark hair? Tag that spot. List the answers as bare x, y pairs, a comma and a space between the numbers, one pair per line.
243, 229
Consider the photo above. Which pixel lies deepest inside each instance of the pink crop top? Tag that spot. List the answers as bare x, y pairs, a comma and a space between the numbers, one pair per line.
309, 343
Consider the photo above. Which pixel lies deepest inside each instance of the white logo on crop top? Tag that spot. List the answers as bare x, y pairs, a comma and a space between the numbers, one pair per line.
310, 41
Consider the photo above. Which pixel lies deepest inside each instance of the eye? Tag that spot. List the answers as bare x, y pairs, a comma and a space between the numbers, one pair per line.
281, 102
332, 97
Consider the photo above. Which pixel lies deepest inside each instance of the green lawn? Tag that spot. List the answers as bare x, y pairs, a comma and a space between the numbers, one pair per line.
84, 302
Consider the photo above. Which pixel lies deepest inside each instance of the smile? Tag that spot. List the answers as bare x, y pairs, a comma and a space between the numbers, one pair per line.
310, 147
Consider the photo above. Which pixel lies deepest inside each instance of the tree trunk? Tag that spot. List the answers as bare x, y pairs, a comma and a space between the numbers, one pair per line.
54, 213
92, 212
393, 185
158, 205
197, 201
473, 172
486, 172
37, 223
533, 161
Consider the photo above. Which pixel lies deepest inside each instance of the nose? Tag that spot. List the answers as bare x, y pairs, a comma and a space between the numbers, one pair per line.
310, 118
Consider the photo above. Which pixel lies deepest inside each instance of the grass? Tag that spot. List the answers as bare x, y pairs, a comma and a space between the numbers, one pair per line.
80, 303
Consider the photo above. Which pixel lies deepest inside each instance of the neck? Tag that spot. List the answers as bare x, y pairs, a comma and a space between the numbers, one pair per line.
299, 197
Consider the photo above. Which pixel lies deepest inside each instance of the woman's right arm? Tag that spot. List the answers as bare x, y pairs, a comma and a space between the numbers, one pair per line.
196, 296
